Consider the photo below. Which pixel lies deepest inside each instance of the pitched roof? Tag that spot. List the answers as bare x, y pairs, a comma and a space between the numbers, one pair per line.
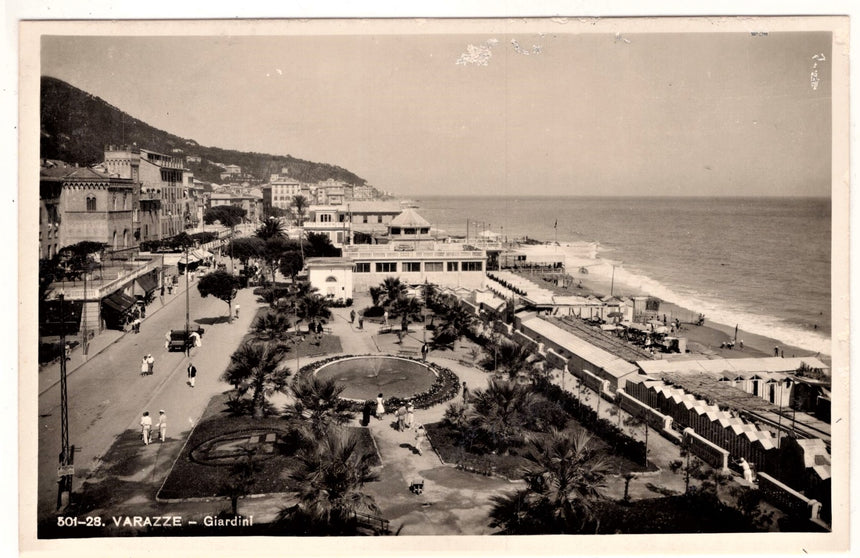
409, 218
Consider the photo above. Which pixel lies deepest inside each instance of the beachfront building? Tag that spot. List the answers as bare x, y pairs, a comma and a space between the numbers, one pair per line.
340, 223
410, 253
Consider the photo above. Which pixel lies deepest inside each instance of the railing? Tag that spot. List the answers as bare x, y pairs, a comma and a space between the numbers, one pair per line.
412, 255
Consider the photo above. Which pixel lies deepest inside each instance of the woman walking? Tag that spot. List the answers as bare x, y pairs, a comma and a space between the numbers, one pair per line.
380, 407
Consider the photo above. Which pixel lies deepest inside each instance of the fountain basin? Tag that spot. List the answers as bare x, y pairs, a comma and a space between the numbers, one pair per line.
364, 377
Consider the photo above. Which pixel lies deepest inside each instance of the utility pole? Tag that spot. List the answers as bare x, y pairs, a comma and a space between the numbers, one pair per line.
187, 314
66, 470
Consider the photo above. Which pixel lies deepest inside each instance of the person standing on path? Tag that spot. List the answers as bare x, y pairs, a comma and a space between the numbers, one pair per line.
420, 437
144, 366
237, 310
145, 427
465, 394
167, 339
401, 418
162, 425
380, 407
385, 318
425, 348
150, 364
410, 414
352, 316
192, 373
360, 322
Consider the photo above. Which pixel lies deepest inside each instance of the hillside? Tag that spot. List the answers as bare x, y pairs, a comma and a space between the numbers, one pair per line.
75, 127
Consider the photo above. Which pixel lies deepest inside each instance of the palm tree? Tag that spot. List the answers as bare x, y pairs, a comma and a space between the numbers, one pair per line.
375, 295
321, 400
314, 308
430, 293
271, 327
393, 288
456, 322
300, 206
258, 367
563, 480
271, 228
506, 356
406, 308
501, 412
328, 479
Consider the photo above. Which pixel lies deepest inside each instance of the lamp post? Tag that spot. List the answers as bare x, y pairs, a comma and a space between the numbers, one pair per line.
66, 470
187, 304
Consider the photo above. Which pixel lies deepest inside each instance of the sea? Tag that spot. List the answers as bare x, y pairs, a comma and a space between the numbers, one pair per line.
762, 264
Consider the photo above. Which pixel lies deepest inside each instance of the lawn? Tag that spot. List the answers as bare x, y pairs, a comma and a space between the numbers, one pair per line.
203, 469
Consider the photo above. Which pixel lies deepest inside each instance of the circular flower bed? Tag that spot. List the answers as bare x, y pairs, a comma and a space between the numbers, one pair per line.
445, 387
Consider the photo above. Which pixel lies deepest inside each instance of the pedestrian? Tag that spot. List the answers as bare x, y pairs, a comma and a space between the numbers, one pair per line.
741, 344
145, 427
366, 412
782, 353
170, 287
776, 351
410, 414
465, 394
167, 339
192, 373
380, 407
352, 316
401, 418
420, 437
425, 348
150, 364
385, 318
135, 325
144, 366
360, 322
237, 310
67, 352
162, 425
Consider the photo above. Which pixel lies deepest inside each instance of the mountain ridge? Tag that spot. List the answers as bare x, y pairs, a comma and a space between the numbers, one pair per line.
75, 127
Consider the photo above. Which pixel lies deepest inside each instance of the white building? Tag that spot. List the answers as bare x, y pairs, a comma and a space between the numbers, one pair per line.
332, 276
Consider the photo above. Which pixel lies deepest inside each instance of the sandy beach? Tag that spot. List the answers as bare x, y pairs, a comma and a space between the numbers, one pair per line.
704, 339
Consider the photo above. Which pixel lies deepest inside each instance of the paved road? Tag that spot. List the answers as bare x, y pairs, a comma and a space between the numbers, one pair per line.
107, 394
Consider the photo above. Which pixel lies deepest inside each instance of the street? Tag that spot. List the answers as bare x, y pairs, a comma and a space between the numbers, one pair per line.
107, 394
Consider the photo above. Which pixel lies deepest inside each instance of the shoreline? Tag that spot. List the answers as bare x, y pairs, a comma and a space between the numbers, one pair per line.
710, 335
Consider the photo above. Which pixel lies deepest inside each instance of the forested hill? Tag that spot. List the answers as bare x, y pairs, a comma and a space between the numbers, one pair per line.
76, 126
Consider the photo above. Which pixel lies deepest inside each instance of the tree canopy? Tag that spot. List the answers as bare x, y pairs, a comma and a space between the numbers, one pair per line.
221, 285
227, 215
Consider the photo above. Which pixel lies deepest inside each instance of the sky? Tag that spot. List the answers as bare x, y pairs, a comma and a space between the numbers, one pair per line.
548, 111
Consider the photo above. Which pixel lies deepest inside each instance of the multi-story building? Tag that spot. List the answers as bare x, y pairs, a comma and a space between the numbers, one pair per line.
283, 190
412, 254
252, 204
341, 222
161, 213
90, 205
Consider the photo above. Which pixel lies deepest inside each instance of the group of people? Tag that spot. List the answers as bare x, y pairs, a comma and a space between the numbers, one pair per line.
146, 427
352, 317
147, 365
405, 415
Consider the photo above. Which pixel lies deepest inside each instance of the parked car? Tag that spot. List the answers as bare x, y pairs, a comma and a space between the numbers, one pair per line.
179, 341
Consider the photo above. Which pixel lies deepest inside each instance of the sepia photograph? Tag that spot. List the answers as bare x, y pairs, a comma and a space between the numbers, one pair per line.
444, 280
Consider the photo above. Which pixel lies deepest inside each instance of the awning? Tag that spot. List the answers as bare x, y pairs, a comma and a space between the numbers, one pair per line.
118, 302
147, 283
191, 259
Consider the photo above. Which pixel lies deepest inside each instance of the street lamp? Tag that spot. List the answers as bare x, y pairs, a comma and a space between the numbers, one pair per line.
66, 470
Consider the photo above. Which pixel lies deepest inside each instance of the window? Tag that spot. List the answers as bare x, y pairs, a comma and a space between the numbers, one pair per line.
91, 203
331, 279
362, 267
364, 219
408, 231
395, 230
452, 266
412, 266
386, 267
379, 218
325, 218
472, 266
432, 266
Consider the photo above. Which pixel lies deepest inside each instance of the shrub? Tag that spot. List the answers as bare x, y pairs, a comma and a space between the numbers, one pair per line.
373, 312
